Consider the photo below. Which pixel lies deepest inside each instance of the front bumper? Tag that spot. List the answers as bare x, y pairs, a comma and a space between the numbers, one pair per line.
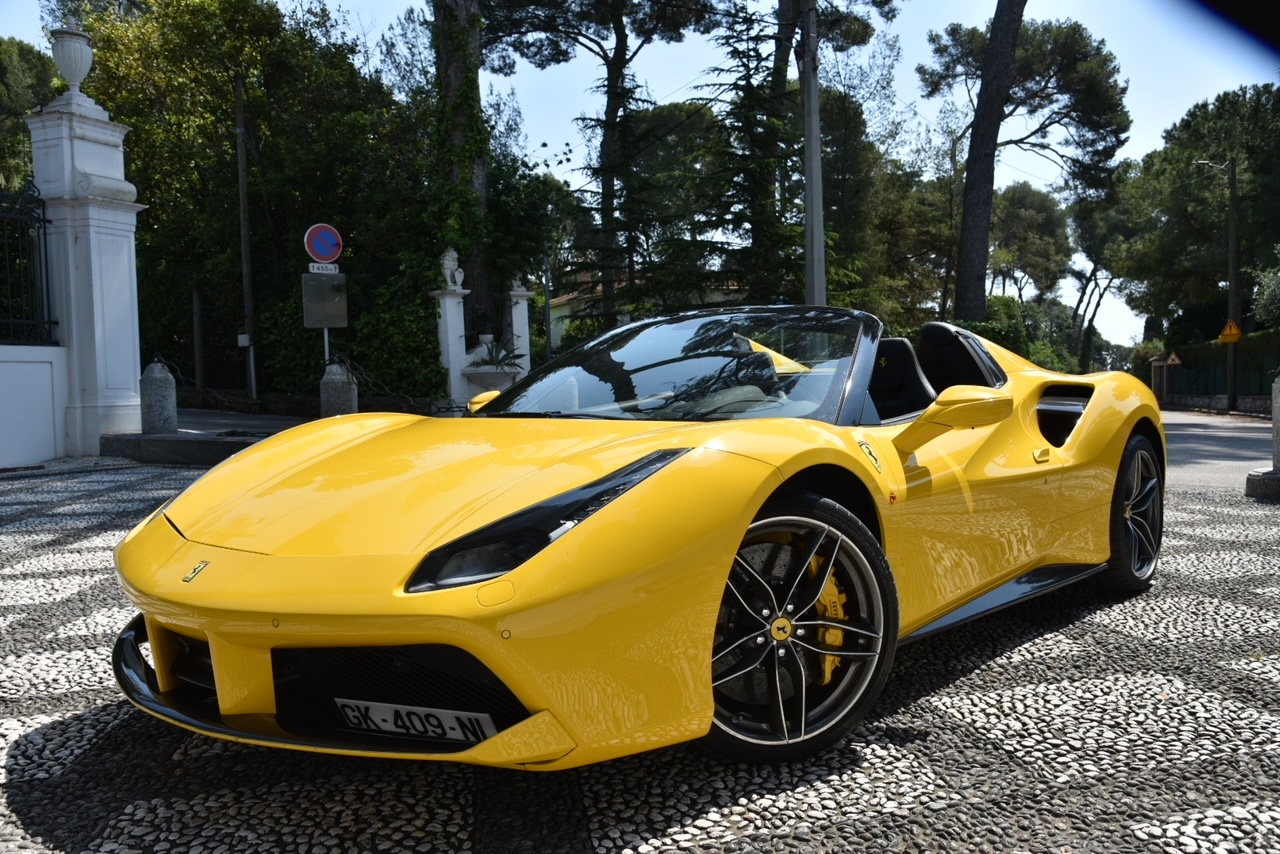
532, 740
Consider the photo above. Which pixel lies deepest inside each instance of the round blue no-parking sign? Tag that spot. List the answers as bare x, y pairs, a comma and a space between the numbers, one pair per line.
323, 243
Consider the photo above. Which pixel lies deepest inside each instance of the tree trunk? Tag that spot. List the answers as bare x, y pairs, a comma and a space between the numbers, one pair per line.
610, 163
464, 142
1086, 344
998, 68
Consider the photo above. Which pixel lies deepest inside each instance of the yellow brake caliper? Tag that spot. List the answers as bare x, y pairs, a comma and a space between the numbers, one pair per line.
831, 607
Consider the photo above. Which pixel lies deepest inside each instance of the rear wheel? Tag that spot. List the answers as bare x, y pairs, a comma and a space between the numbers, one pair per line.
1137, 518
805, 634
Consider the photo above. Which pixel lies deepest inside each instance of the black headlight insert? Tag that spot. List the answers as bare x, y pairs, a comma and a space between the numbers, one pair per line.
502, 546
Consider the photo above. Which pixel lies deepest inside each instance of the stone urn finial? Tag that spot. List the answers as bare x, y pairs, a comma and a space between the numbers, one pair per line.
73, 55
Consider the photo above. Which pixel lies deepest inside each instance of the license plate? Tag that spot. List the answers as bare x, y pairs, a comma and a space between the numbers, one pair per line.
416, 721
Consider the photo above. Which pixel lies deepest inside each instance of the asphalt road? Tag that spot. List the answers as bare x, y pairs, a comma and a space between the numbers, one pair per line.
1217, 451
1074, 723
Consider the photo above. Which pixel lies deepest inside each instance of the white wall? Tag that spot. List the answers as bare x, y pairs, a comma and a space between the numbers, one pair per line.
33, 404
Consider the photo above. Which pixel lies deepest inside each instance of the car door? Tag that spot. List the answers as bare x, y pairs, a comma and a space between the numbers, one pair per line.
968, 510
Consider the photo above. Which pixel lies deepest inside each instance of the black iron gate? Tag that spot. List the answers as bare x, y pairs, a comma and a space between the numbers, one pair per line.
25, 316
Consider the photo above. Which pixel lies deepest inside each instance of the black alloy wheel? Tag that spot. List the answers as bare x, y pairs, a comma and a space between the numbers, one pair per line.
805, 634
1137, 518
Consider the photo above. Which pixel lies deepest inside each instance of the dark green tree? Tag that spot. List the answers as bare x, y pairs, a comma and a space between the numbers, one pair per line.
1267, 303
1097, 225
614, 32
26, 81
1178, 198
1029, 244
848, 163
758, 146
669, 200
320, 133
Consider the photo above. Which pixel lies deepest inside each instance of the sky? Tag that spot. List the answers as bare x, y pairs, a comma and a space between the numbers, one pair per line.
1173, 53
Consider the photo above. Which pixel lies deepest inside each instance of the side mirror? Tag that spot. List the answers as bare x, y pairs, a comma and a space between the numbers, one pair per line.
481, 399
957, 407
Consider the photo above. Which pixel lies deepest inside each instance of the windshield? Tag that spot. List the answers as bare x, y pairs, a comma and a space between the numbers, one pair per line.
762, 363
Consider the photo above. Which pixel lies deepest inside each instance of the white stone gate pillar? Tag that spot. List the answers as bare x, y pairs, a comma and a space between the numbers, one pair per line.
521, 340
93, 277
450, 326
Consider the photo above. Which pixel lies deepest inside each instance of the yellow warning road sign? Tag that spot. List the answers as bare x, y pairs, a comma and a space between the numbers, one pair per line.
1230, 333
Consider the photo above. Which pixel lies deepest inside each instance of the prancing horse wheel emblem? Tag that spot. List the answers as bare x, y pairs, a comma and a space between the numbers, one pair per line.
781, 629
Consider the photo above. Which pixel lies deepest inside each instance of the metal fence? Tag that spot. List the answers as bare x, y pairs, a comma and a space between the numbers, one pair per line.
25, 316
1204, 366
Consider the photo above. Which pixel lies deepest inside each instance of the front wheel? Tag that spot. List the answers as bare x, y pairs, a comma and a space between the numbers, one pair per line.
805, 634
1137, 518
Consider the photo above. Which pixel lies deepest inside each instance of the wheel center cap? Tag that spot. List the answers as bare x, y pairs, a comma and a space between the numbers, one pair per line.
1128, 512
781, 629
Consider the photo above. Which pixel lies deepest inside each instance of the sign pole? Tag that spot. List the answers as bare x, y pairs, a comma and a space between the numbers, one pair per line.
1233, 284
324, 244
245, 271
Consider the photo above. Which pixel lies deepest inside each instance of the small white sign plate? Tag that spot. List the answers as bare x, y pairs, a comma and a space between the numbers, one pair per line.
323, 268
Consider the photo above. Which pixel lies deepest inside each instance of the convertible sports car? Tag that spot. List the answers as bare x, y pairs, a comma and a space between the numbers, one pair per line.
714, 526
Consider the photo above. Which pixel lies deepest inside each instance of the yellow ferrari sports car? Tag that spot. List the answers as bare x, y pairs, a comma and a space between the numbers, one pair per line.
715, 526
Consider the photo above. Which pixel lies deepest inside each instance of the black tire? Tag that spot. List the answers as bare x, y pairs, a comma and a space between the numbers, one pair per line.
1137, 519
805, 635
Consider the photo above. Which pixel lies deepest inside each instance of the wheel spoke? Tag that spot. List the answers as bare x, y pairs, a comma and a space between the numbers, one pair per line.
1134, 481
750, 661
750, 570
777, 708
1143, 536
746, 638
1143, 501
747, 608
801, 572
862, 628
794, 664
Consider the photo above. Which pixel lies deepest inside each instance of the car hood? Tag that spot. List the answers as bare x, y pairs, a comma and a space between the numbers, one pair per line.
400, 484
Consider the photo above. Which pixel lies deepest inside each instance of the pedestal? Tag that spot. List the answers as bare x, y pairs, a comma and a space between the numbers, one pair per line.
451, 326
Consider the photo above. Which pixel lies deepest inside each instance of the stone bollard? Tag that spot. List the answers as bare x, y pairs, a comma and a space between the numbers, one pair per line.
159, 400
1263, 483
337, 391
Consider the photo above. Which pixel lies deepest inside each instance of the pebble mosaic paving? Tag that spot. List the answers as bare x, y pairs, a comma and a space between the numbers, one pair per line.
1073, 723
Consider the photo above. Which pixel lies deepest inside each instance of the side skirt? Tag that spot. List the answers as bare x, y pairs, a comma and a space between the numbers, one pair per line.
1034, 583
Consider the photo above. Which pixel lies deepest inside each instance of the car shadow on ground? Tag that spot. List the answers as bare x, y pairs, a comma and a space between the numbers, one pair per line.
115, 774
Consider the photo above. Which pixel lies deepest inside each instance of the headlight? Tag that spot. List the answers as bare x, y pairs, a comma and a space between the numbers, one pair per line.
502, 546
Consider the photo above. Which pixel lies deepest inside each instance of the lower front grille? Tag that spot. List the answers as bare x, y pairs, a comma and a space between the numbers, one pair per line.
192, 677
308, 683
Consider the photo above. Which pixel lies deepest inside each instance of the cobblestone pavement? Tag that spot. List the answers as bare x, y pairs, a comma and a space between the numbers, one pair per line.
1073, 723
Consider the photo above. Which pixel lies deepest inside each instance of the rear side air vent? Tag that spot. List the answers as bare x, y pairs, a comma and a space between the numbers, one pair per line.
1059, 411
